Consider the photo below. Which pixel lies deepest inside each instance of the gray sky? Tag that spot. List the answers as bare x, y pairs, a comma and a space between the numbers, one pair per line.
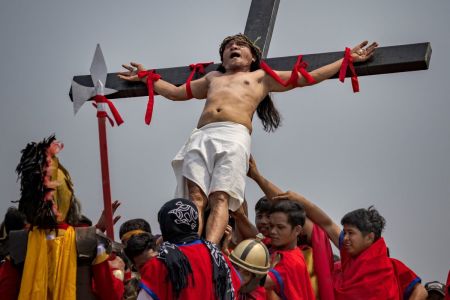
386, 146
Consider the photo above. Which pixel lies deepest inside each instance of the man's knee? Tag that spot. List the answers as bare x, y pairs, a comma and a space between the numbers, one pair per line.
219, 198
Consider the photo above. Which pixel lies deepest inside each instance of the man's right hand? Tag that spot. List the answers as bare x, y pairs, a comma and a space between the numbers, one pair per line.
131, 75
253, 171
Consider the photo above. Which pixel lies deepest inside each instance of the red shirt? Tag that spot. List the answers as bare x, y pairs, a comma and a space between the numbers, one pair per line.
154, 276
291, 276
9, 281
369, 276
406, 278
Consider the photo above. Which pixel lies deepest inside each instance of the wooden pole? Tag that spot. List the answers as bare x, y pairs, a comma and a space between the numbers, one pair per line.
105, 177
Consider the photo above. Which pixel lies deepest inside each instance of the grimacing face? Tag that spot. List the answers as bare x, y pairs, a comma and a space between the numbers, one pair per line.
355, 241
237, 55
283, 235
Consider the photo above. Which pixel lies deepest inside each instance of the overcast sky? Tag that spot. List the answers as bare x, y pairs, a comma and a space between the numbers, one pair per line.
386, 146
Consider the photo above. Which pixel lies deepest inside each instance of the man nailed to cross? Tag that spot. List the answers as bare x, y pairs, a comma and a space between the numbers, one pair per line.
211, 167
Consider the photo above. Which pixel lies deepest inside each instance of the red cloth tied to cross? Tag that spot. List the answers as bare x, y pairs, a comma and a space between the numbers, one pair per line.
299, 67
99, 99
152, 76
348, 63
199, 67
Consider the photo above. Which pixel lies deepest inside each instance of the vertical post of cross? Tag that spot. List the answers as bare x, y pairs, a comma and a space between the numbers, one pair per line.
260, 23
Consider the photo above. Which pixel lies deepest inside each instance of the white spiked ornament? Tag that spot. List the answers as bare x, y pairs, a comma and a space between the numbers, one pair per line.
99, 71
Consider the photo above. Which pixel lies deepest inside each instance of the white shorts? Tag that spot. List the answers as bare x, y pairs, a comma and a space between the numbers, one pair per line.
215, 157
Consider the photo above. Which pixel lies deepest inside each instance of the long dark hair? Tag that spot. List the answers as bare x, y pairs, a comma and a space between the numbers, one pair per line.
266, 110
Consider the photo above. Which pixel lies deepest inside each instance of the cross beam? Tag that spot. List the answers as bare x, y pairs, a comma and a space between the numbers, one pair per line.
259, 27
393, 59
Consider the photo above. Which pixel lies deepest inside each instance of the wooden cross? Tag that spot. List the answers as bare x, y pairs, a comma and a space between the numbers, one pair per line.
259, 27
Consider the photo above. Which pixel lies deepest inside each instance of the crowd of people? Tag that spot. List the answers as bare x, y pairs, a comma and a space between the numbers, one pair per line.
207, 247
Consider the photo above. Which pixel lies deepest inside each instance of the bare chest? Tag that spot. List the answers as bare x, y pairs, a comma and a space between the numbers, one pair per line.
241, 84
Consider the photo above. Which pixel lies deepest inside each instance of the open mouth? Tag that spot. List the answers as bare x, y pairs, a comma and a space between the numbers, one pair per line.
235, 54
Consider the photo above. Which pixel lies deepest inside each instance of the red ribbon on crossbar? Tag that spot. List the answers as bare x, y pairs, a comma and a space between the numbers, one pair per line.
199, 67
101, 113
152, 76
299, 67
348, 63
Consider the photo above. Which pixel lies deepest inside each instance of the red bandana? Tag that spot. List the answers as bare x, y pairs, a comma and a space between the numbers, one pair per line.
151, 77
299, 67
200, 67
348, 63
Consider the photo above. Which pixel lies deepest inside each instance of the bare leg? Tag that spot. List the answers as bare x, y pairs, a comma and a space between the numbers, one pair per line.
218, 218
199, 198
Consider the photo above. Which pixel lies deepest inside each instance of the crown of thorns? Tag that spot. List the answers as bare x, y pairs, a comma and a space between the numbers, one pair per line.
241, 38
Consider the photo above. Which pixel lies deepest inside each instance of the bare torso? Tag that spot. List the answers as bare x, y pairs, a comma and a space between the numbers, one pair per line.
233, 97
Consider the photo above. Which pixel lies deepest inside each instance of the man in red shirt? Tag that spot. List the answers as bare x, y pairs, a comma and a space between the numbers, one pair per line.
186, 266
365, 270
289, 277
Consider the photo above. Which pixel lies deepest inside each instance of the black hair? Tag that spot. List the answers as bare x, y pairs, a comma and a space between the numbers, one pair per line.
294, 211
14, 220
134, 224
139, 243
263, 205
266, 110
366, 220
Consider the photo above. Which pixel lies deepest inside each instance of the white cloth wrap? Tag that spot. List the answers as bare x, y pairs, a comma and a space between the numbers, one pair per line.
215, 157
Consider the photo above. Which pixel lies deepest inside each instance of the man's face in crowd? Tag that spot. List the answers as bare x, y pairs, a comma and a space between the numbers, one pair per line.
237, 55
355, 241
283, 234
262, 222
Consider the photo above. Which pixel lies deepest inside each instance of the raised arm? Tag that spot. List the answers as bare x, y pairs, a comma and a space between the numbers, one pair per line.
268, 188
272, 191
166, 89
316, 214
359, 53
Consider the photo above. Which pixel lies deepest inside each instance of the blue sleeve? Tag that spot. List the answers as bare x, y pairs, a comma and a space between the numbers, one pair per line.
410, 288
341, 239
280, 282
148, 290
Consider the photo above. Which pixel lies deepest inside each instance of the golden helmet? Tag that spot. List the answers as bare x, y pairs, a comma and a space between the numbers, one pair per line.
252, 255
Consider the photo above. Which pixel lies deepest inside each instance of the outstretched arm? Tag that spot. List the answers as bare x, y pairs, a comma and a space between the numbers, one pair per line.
316, 214
359, 53
166, 89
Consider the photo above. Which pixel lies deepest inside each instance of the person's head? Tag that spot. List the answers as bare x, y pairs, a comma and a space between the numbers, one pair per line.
252, 260
178, 220
239, 53
262, 220
435, 289
286, 223
140, 248
133, 227
14, 220
362, 227
140, 244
